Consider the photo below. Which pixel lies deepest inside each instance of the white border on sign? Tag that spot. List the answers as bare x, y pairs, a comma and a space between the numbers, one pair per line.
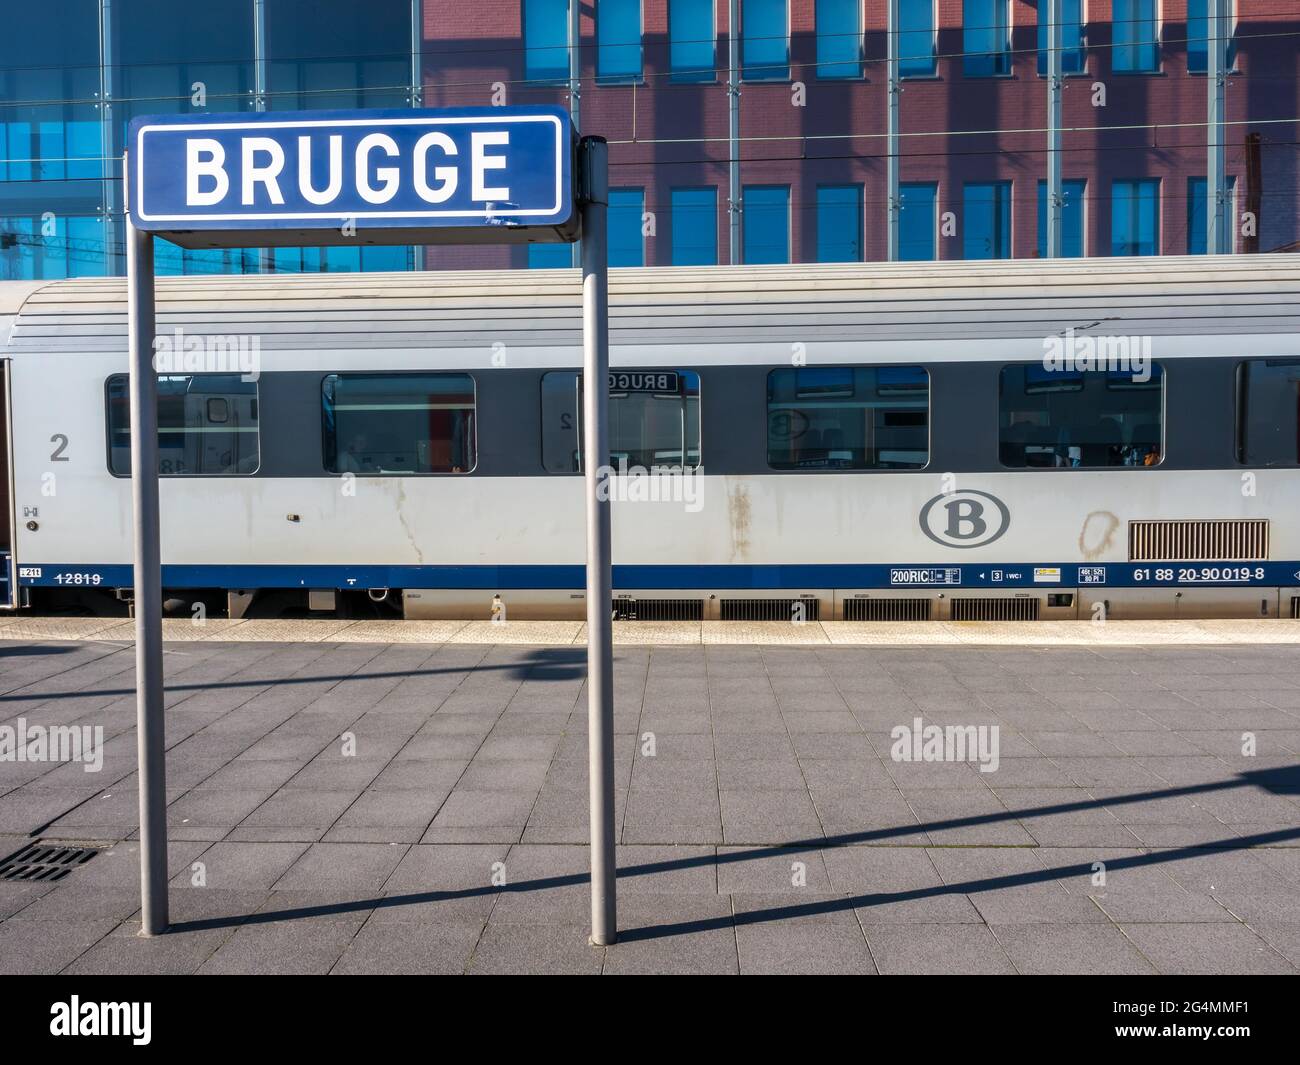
137, 209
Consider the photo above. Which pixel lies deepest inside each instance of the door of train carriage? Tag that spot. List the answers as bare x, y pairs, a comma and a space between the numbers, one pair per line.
8, 578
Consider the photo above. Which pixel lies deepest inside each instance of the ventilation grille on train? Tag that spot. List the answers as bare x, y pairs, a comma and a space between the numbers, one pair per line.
1198, 541
1019, 609
658, 609
1295, 607
770, 609
887, 609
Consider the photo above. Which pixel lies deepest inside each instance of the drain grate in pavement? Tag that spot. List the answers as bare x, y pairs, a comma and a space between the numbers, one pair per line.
44, 861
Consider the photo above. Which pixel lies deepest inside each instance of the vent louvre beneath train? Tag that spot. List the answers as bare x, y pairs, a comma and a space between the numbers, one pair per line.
658, 609
887, 609
1019, 609
1241, 539
770, 609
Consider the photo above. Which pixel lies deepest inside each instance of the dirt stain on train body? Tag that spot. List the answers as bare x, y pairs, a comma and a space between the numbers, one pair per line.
1097, 534
740, 512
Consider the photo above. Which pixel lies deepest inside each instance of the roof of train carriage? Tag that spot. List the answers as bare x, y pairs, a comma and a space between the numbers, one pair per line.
1188, 295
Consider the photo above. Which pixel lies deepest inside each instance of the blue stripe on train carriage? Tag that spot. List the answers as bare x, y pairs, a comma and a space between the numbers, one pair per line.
796, 576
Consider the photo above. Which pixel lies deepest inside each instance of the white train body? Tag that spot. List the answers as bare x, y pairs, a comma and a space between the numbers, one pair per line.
739, 540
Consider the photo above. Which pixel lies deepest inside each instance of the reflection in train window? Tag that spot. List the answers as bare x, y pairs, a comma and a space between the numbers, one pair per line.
1080, 418
654, 420
398, 423
1268, 412
207, 426
848, 418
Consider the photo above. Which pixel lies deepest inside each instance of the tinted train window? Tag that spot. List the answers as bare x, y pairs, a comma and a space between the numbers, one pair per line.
654, 419
848, 418
1077, 418
1268, 412
398, 423
207, 426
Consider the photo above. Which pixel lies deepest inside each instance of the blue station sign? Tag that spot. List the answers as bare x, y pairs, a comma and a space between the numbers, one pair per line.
463, 175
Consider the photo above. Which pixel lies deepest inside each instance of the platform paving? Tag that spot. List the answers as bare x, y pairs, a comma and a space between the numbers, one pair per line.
420, 807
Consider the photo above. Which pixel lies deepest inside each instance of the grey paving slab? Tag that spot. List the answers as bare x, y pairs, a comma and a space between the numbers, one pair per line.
425, 949
770, 829
536, 949
1077, 949
289, 947
131, 955
44, 947
1190, 949
677, 933
361, 868
971, 950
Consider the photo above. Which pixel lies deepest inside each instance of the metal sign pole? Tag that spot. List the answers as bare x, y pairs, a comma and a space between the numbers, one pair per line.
150, 740
594, 161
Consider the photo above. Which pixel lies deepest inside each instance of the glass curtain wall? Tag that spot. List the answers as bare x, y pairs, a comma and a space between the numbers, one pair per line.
74, 73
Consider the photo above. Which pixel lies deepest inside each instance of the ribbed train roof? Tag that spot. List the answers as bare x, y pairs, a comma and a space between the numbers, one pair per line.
879, 301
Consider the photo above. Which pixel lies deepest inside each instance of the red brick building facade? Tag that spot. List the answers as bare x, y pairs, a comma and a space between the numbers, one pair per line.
807, 131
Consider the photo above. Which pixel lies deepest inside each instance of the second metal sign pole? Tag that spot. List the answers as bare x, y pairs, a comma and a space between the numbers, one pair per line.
594, 161
147, 594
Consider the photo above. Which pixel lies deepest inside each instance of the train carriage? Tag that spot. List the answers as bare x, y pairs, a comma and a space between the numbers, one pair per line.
1002, 440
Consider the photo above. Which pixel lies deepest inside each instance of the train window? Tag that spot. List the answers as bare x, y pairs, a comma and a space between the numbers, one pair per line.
207, 426
1268, 412
398, 423
654, 420
1058, 418
848, 418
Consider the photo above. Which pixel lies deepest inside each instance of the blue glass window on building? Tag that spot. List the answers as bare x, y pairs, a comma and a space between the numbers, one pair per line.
1071, 219
550, 256
694, 224
765, 40
57, 246
986, 38
1073, 54
766, 223
338, 54
618, 40
918, 221
839, 223
1136, 36
839, 39
1198, 223
1135, 217
50, 143
986, 220
691, 41
916, 38
546, 40
174, 59
626, 240
1199, 37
